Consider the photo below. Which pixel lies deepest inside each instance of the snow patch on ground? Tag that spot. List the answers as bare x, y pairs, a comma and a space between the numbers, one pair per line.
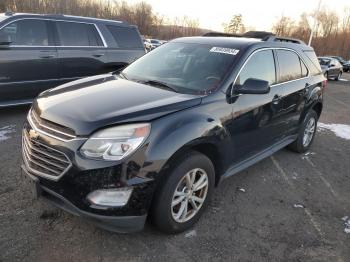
340, 130
5, 131
191, 233
347, 224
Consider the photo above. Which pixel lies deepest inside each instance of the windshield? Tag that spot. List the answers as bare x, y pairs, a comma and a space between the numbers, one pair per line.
186, 68
155, 41
324, 61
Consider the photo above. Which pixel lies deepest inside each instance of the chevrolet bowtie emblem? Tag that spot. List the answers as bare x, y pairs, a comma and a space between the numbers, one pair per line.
33, 134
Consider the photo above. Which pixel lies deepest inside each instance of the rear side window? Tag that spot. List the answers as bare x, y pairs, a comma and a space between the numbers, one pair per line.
126, 37
315, 68
304, 70
77, 34
261, 65
290, 66
28, 32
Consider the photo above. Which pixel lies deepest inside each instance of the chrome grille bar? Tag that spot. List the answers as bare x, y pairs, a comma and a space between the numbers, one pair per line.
43, 160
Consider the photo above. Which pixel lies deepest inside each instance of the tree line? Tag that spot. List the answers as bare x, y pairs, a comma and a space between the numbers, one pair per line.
331, 35
141, 14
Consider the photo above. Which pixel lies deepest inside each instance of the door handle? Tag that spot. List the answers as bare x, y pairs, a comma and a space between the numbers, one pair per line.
276, 99
98, 55
47, 56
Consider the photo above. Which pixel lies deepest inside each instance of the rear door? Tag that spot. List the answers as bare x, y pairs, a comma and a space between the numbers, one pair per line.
29, 65
295, 84
81, 50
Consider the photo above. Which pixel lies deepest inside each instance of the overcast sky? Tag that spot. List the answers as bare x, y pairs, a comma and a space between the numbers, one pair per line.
260, 14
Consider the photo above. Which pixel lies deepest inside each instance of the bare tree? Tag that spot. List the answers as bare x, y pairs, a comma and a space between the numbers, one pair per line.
235, 26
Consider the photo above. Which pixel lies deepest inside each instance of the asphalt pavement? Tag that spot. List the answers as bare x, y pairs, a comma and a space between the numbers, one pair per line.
288, 207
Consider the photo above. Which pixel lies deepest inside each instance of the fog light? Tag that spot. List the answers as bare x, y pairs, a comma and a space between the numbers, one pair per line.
116, 197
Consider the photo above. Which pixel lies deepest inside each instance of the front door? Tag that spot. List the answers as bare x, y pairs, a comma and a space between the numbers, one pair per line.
29, 64
257, 118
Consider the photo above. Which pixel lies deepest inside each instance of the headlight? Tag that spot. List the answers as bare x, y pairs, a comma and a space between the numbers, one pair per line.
115, 143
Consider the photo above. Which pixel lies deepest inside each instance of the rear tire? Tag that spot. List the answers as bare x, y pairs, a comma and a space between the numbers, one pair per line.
338, 76
306, 133
182, 190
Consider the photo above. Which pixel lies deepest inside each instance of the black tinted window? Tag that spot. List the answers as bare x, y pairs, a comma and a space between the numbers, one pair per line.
314, 65
125, 37
28, 32
78, 34
260, 66
290, 68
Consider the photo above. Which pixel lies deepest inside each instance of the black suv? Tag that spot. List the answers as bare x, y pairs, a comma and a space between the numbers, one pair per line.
155, 139
38, 52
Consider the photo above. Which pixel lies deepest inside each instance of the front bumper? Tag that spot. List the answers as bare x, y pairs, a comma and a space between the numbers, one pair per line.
84, 176
120, 224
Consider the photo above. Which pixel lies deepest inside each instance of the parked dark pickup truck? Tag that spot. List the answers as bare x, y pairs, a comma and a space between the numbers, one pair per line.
38, 52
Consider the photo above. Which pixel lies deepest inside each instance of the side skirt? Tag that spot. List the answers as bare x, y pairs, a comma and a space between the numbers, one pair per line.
257, 157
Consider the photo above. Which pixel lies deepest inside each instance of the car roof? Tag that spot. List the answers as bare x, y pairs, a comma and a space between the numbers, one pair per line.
63, 17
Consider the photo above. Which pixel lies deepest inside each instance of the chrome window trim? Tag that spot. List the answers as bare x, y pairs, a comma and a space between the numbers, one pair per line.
58, 20
272, 48
36, 128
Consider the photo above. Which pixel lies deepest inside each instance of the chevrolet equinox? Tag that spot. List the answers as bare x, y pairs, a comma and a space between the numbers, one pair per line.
156, 138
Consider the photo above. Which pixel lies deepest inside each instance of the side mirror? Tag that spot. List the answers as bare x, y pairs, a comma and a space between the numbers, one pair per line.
253, 86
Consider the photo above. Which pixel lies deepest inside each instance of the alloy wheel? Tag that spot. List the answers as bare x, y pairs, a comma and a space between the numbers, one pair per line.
309, 131
189, 195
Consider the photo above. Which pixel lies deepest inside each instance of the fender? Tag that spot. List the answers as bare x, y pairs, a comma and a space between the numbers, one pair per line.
171, 137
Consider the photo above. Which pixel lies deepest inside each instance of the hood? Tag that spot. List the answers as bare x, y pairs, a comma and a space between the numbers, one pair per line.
95, 102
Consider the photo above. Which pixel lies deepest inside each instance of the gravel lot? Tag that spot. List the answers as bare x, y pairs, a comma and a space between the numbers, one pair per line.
294, 208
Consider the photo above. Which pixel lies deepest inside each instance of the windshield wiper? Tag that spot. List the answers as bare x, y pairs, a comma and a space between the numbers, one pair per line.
158, 83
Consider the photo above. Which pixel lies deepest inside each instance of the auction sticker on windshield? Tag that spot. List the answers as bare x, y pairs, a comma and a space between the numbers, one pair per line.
224, 50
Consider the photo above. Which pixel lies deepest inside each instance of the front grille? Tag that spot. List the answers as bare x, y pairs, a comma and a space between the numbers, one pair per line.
50, 128
43, 160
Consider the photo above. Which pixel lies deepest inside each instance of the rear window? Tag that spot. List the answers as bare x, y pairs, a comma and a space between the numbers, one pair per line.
78, 34
313, 62
125, 37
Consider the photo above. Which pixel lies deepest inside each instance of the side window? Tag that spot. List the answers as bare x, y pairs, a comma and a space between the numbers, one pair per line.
290, 67
261, 65
126, 37
313, 63
28, 32
304, 71
77, 34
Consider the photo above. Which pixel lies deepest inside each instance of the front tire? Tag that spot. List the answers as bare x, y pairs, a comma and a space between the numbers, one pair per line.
306, 133
184, 194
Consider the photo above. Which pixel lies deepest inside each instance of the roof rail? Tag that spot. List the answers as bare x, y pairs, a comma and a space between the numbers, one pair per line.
221, 34
264, 36
258, 34
9, 13
285, 39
